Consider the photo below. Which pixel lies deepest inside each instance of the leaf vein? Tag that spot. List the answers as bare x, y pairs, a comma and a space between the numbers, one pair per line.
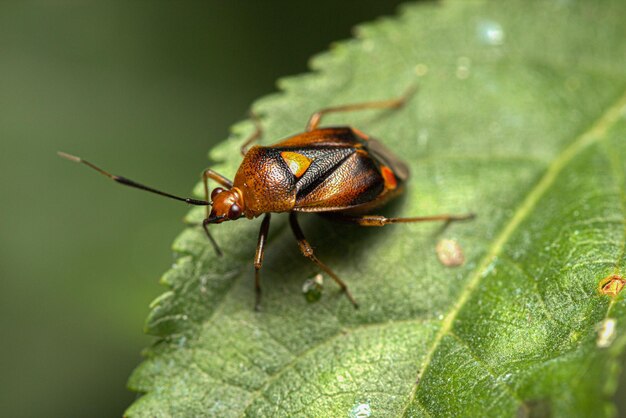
484, 364
535, 286
344, 332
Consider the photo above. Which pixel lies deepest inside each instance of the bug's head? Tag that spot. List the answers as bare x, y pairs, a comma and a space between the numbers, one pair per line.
227, 205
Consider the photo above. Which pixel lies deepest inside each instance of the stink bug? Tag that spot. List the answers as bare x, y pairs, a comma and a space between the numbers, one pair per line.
338, 172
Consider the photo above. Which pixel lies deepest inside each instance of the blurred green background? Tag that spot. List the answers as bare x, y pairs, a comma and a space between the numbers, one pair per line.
143, 89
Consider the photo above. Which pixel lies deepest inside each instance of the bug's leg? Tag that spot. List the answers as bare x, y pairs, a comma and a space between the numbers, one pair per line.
316, 118
258, 131
223, 181
307, 251
258, 259
377, 220
205, 226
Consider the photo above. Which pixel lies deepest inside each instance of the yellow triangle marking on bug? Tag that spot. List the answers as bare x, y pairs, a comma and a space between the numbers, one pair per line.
297, 163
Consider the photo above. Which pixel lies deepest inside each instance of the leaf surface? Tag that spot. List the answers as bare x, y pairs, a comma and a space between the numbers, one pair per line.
520, 118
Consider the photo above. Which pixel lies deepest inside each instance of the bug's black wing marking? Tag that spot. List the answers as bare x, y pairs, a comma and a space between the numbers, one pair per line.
352, 181
323, 163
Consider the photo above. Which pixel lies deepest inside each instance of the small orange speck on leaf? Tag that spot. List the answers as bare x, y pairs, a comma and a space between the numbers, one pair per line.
612, 285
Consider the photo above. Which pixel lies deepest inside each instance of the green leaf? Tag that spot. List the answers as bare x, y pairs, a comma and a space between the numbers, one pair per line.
520, 118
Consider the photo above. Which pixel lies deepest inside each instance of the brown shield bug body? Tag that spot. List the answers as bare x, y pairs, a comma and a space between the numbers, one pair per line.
339, 172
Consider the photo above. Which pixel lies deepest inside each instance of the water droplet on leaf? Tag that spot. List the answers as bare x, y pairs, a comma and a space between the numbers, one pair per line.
606, 332
491, 33
312, 288
362, 410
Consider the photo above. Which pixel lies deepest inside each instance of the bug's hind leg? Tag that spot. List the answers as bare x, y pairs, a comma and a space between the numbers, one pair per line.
307, 251
316, 118
258, 132
378, 220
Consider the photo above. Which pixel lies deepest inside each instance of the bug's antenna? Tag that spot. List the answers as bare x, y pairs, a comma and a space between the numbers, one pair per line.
128, 182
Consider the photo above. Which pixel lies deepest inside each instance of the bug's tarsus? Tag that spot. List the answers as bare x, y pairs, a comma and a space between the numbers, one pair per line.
408, 94
258, 258
257, 295
205, 226
131, 183
307, 251
460, 218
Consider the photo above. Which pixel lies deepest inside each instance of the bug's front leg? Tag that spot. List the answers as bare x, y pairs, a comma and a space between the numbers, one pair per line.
307, 251
258, 259
378, 220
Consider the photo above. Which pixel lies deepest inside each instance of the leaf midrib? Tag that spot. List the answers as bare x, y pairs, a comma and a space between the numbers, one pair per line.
596, 132
622, 190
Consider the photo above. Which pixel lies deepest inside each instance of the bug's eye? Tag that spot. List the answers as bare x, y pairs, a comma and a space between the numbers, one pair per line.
234, 212
215, 192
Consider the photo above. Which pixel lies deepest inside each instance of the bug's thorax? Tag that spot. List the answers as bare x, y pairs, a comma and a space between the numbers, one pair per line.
265, 181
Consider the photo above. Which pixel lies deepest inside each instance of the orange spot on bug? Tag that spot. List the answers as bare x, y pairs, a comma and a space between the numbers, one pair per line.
297, 163
612, 285
389, 177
